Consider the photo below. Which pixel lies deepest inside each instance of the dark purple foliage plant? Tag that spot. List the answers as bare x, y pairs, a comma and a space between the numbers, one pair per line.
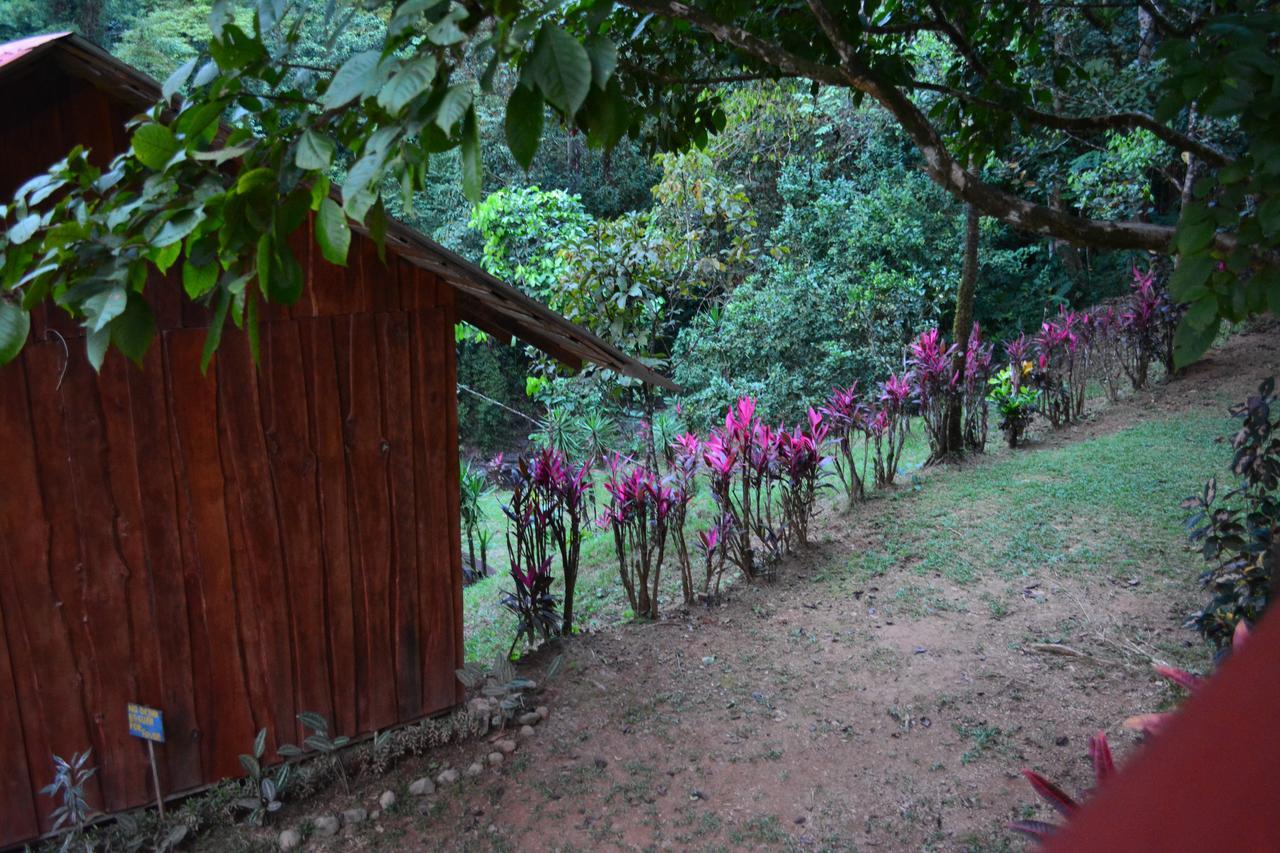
638, 511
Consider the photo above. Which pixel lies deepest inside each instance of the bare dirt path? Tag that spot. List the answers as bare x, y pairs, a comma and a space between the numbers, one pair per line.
885, 692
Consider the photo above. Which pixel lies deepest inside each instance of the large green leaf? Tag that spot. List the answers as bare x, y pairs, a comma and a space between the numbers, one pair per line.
101, 308
315, 151
453, 107
1190, 342
133, 331
177, 79
24, 228
408, 83
354, 78
197, 281
332, 232
15, 325
604, 59
472, 165
524, 124
561, 68
154, 145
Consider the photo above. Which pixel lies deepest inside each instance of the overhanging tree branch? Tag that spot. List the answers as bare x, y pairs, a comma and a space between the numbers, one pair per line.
1129, 120
941, 166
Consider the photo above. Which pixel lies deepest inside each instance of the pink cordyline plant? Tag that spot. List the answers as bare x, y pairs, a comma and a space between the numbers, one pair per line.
934, 379
712, 542
888, 427
1152, 723
1103, 769
563, 490
1148, 322
1062, 349
847, 416
800, 463
638, 511
684, 482
977, 373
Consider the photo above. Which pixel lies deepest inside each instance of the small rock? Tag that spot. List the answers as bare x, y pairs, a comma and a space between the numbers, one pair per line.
529, 719
496, 759
479, 706
374, 815
526, 731
351, 817
422, 787
448, 777
709, 659
387, 800
475, 769
326, 825
506, 745
543, 711
290, 839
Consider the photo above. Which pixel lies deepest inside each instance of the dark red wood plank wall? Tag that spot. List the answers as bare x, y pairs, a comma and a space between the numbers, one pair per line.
234, 547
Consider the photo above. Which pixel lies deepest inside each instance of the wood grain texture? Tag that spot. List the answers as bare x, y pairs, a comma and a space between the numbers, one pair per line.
233, 546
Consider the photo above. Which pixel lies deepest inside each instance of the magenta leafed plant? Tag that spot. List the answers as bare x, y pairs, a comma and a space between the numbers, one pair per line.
1063, 366
712, 545
1103, 769
1152, 723
683, 476
888, 427
1107, 357
977, 373
800, 463
847, 417
1147, 322
638, 511
530, 519
562, 491
1018, 352
934, 380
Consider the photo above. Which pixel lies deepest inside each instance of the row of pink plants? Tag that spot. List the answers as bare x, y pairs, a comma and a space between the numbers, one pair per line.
765, 480
1110, 343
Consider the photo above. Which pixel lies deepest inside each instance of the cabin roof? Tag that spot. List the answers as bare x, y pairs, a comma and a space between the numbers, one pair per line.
480, 299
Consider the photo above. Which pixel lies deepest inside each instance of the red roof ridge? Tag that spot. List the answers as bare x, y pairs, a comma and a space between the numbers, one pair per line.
15, 50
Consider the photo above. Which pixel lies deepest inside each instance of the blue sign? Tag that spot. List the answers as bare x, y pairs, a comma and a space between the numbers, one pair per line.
146, 723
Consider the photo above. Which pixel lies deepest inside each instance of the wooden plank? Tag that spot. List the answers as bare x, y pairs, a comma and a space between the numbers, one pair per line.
435, 399
261, 582
117, 598
370, 521
395, 355
321, 372
158, 494
293, 462
78, 689
449, 393
18, 820
23, 570
225, 725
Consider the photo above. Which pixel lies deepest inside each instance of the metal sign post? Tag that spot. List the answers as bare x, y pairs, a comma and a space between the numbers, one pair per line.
148, 724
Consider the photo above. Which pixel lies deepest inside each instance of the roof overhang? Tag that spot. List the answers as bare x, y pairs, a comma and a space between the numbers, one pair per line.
482, 300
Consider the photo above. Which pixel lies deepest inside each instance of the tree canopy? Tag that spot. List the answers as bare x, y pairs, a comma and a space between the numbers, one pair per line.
261, 127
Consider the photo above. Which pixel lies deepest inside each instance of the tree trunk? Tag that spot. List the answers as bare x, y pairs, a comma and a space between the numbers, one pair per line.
960, 330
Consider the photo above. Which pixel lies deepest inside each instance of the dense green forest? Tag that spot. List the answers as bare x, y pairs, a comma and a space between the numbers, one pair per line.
802, 240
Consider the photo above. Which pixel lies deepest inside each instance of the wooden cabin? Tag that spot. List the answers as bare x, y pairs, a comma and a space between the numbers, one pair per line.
237, 547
